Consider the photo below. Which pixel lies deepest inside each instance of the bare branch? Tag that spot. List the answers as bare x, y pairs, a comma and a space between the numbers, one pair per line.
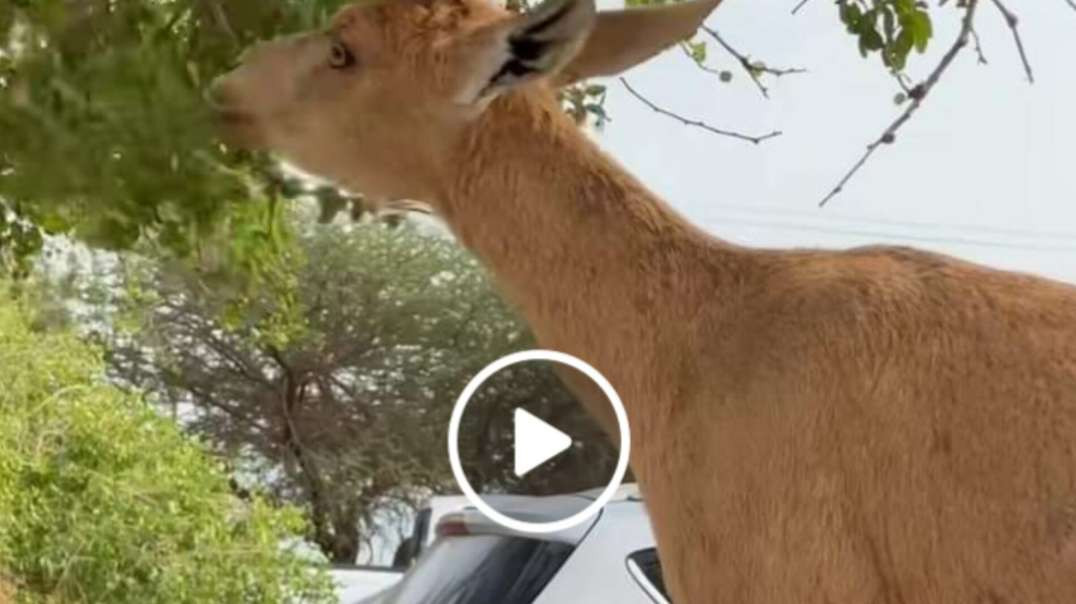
801, 4
916, 95
1013, 22
903, 81
1071, 3
979, 46
752, 69
696, 123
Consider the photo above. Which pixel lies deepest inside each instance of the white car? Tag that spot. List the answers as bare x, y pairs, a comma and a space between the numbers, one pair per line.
355, 582
610, 558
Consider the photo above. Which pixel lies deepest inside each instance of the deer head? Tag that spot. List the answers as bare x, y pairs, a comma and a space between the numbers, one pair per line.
379, 99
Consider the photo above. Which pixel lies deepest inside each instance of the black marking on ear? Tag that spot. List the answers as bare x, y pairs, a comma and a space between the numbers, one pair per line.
543, 41
526, 59
512, 70
526, 48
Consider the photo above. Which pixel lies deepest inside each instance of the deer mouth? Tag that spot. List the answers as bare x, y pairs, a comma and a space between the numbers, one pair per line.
229, 117
236, 127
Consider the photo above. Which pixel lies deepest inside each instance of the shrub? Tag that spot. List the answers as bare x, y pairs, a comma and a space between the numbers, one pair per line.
103, 500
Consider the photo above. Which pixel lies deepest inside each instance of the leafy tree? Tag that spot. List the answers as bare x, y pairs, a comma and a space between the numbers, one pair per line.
333, 388
106, 136
103, 500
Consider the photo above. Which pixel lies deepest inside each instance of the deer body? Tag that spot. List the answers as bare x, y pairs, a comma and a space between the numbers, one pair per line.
880, 424
875, 425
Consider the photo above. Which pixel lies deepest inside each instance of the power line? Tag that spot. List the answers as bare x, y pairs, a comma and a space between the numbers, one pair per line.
725, 220
826, 215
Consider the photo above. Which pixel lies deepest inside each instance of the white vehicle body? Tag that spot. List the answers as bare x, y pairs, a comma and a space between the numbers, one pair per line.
608, 559
354, 583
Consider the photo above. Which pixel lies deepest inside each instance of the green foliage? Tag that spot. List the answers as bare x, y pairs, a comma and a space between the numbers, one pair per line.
585, 101
106, 135
697, 51
892, 28
20, 242
102, 500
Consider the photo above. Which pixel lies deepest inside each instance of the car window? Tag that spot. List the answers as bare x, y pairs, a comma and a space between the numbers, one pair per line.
646, 568
479, 569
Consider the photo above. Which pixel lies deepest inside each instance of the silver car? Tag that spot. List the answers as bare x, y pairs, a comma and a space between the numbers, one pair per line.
608, 559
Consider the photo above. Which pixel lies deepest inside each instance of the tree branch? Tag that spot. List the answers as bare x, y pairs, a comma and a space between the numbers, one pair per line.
320, 507
1013, 23
979, 46
801, 4
752, 69
917, 95
696, 123
211, 400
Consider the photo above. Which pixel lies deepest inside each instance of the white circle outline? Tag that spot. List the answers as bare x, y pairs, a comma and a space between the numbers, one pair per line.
538, 354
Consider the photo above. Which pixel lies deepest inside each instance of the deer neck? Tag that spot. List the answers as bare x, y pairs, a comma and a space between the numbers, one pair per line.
599, 266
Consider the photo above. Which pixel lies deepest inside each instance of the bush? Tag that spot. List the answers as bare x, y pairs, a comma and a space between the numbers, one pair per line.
103, 500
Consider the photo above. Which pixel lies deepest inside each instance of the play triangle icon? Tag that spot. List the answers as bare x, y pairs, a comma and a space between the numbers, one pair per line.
536, 442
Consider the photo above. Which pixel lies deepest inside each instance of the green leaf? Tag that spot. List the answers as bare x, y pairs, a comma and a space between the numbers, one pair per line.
923, 30
903, 45
850, 16
871, 40
697, 51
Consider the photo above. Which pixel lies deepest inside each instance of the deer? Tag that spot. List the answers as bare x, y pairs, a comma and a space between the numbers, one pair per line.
876, 424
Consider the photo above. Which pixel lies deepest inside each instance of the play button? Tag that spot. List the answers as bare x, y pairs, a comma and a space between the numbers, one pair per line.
515, 408
536, 442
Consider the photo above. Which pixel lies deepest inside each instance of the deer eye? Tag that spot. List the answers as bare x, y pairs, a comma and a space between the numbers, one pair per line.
340, 56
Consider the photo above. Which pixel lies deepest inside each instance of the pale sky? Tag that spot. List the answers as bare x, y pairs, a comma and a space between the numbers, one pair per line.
986, 170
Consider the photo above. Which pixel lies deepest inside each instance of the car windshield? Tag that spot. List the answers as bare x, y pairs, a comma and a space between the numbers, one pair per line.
479, 569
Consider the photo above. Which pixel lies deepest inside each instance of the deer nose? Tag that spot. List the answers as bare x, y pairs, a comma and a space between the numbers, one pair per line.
220, 94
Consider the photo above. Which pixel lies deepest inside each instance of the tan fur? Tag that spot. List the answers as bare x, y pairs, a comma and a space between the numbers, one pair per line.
872, 425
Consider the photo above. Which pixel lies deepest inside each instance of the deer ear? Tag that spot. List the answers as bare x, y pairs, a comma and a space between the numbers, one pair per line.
539, 43
622, 39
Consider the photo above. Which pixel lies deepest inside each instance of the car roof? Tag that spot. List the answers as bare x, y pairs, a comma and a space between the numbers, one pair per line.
625, 491
548, 508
